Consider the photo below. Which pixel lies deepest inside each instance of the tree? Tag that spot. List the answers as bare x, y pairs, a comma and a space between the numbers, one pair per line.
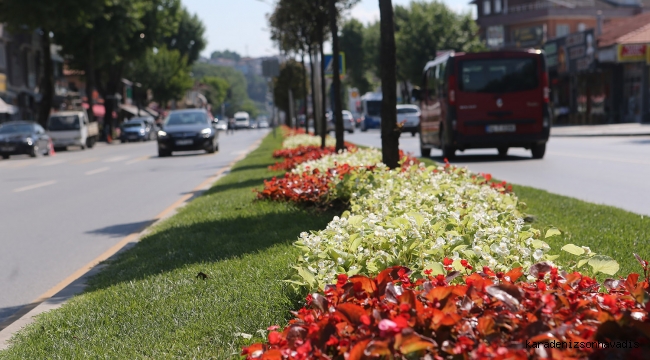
50, 17
165, 72
390, 132
217, 90
236, 95
291, 79
351, 42
337, 110
189, 39
226, 54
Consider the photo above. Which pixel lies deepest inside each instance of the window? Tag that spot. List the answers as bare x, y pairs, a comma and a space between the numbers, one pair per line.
486, 7
432, 82
582, 27
498, 75
562, 30
497, 6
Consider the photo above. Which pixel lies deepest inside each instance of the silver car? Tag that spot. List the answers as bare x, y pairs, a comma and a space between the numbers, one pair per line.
348, 122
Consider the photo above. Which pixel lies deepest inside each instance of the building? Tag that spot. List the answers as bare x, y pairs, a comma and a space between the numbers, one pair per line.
530, 23
20, 73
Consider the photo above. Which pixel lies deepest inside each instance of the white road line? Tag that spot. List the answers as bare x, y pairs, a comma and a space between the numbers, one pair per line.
116, 159
97, 171
601, 158
137, 160
35, 186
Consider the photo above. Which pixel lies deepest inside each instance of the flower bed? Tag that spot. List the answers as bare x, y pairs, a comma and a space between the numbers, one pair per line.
489, 316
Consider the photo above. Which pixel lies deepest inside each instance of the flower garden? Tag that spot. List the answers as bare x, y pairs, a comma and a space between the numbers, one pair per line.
436, 262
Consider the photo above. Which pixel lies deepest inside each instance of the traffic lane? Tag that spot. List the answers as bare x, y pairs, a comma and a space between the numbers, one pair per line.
603, 170
50, 232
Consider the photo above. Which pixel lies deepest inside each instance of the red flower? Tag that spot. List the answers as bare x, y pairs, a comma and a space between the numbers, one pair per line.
427, 272
332, 341
309, 299
489, 271
275, 338
341, 280
365, 319
272, 327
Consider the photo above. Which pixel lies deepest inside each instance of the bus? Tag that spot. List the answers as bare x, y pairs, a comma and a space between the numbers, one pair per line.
497, 99
371, 111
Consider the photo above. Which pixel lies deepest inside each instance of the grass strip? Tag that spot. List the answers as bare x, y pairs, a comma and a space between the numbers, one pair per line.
149, 303
607, 230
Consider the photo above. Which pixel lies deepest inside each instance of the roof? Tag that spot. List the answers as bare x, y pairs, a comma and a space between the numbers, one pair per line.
631, 30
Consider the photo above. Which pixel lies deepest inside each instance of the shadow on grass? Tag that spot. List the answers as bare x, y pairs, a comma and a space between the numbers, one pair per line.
459, 159
234, 235
250, 167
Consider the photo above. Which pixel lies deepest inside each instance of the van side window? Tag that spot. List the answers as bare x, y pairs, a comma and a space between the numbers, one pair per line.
432, 82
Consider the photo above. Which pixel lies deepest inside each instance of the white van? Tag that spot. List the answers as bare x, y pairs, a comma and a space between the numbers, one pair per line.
242, 120
72, 128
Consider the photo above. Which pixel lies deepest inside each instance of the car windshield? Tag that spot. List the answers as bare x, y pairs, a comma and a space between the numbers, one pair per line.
498, 75
15, 128
186, 118
241, 119
407, 111
374, 108
133, 125
63, 123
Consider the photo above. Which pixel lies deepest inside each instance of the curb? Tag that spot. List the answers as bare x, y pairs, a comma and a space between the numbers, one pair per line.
76, 283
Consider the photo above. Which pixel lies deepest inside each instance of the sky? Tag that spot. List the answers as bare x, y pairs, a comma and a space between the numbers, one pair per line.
241, 25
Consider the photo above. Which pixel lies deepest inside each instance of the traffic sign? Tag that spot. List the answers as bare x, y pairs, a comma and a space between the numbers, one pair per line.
329, 71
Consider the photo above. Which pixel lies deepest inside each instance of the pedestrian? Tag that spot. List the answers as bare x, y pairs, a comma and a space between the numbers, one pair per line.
231, 126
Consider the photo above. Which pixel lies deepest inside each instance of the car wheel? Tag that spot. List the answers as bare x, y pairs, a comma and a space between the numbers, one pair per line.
36, 151
5, 156
350, 131
538, 150
216, 148
363, 127
448, 151
413, 133
211, 149
83, 147
503, 151
164, 153
425, 152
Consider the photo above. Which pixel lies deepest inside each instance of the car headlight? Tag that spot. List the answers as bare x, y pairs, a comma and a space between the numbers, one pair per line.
28, 141
206, 132
162, 134
142, 131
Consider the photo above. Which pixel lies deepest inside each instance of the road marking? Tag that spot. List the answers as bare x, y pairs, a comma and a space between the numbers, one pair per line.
97, 171
54, 162
590, 157
86, 161
117, 247
116, 159
35, 186
137, 160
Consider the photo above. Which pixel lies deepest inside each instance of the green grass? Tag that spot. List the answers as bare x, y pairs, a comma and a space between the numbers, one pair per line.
149, 303
604, 229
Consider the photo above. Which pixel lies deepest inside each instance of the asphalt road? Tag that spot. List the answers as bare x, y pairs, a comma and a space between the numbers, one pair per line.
59, 213
604, 170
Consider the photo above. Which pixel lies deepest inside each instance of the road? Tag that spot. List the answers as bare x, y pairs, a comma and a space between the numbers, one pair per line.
59, 213
605, 170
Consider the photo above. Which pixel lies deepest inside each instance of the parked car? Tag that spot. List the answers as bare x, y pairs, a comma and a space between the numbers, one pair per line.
242, 120
348, 122
136, 130
23, 137
72, 128
220, 124
186, 130
409, 115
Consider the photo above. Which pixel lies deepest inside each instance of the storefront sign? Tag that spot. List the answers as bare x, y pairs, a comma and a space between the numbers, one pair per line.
572, 53
494, 36
533, 36
632, 52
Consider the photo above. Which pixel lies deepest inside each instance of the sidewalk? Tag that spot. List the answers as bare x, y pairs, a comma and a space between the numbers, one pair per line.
630, 129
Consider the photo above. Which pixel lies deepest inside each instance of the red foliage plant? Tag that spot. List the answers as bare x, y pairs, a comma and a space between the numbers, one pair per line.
301, 154
490, 316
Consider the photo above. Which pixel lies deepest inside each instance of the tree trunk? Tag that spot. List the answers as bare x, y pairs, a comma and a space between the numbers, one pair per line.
313, 89
336, 78
47, 82
389, 131
304, 89
90, 77
111, 100
323, 123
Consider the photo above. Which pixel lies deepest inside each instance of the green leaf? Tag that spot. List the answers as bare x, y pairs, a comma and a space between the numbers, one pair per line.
436, 268
419, 219
306, 275
355, 220
603, 264
551, 257
552, 232
572, 249
538, 244
581, 263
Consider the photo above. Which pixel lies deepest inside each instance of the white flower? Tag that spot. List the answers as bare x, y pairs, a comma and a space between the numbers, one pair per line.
538, 254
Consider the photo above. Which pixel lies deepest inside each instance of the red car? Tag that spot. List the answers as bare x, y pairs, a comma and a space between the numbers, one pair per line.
496, 99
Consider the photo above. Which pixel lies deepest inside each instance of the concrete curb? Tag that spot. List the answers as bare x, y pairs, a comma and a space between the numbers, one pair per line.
26, 315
